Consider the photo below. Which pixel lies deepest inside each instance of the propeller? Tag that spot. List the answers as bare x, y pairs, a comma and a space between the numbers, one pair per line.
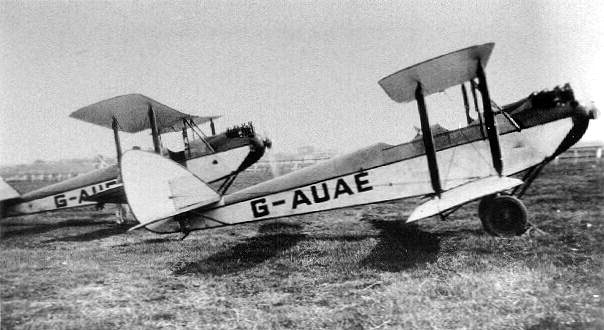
270, 156
268, 143
592, 111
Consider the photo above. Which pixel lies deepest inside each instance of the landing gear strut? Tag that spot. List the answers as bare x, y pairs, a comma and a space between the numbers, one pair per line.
503, 215
182, 222
124, 214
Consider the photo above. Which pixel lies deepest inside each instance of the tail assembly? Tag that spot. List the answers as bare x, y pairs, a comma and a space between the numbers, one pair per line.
158, 188
6, 193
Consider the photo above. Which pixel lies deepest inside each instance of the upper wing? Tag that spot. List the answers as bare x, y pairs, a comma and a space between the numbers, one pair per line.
131, 112
436, 74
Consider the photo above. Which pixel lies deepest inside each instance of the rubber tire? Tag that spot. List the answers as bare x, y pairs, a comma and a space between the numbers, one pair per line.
506, 216
483, 209
484, 206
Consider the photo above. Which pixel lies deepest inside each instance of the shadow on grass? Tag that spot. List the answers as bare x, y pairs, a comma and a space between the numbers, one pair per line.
164, 239
279, 227
7, 231
93, 235
401, 246
171, 238
463, 233
274, 238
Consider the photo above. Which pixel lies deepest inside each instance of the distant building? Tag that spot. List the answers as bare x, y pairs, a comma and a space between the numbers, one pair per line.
53, 171
306, 150
583, 150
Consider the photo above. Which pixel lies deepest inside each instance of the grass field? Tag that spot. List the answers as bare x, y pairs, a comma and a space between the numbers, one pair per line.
358, 268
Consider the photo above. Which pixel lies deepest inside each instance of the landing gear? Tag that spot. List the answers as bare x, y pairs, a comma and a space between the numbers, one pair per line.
503, 215
124, 215
184, 235
227, 183
184, 228
483, 208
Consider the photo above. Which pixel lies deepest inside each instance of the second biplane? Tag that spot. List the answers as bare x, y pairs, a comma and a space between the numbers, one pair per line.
448, 169
215, 158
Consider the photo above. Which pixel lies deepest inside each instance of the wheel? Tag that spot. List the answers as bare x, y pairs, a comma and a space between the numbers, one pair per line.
505, 216
483, 206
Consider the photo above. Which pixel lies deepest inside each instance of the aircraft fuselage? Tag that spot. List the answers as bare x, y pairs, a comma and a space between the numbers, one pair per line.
229, 155
385, 172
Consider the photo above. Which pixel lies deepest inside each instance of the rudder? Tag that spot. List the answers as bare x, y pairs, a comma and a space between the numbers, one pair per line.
158, 188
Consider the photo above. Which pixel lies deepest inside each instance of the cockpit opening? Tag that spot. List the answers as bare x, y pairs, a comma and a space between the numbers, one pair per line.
242, 131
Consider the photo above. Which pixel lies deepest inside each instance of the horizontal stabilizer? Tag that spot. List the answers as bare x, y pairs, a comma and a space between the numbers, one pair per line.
158, 188
132, 114
463, 194
437, 74
6, 191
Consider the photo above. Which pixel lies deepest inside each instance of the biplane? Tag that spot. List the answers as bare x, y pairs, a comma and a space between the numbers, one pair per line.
446, 169
215, 158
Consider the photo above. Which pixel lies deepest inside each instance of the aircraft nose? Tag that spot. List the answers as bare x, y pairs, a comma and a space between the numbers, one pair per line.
589, 110
592, 111
267, 142
263, 141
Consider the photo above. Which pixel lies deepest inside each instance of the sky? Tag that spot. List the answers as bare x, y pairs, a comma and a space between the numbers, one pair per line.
305, 72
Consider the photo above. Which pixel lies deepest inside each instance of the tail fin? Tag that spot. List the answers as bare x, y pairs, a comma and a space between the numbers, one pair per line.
6, 192
158, 188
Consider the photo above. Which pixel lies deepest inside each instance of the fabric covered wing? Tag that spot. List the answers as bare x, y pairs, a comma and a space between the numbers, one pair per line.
131, 112
463, 194
436, 74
